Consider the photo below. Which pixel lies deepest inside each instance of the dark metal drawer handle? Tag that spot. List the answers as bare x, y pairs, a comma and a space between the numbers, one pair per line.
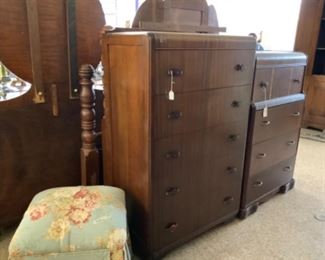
264, 84
258, 184
235, 103
228, 200
296, 80
172, 191
174, 115
296, 114
239, 67
172, 155
287, 169
233, 138
266, 123
175, 72
231, 170
291, 142
172, 227
261, 155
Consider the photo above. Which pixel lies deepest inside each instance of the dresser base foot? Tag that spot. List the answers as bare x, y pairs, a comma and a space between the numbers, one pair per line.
285, 188
244, 213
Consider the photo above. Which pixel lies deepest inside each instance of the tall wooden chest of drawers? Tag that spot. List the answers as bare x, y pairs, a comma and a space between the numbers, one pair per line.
180, 161
274, 127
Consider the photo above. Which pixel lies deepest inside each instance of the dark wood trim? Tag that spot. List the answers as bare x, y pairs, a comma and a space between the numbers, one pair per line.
72, 48
286, 187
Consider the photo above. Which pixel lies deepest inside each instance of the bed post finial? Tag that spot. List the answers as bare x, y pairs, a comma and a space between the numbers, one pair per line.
89, 152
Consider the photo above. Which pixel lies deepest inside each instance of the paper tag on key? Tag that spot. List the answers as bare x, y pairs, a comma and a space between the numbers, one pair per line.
171, 95
265, 111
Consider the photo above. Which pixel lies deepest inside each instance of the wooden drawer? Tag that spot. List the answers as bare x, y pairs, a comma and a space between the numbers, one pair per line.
216, 182
296, 80
271, 152
203, 69
171, 218
277, 82
177, 157
269, 180
198, 110
262, 80
281, 119
220, 192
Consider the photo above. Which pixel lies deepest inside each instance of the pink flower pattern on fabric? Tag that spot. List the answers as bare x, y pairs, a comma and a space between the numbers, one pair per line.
38, 212
70, 208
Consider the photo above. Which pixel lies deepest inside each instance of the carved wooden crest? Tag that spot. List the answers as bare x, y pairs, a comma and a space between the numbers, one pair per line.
177, 15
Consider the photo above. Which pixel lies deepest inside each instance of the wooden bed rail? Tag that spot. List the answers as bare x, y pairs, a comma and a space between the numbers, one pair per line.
89, 154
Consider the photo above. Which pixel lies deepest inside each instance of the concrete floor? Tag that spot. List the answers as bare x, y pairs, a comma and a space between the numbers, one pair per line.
283, 228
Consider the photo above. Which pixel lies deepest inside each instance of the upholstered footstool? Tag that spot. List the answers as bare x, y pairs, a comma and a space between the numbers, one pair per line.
81, 223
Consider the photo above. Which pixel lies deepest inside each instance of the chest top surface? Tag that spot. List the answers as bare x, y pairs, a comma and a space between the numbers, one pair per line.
170, 40
273, 58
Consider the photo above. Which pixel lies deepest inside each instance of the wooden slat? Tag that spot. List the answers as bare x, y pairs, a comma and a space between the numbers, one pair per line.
35, 50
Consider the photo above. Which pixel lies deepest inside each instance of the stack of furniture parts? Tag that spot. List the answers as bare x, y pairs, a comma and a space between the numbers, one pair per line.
275, 120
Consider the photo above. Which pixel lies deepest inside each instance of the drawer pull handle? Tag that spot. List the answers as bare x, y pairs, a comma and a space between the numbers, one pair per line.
231, 170
264, 84
287, 169
291, 142
175, 72
233, 138
235, 103
266, 122
258, 184
296, 81
174, 115
228, 200
296, 114
261, 155
239, 67
172, 227
172, 191
172, 155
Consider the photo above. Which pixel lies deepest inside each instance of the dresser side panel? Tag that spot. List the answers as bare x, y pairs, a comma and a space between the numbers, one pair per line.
127, 123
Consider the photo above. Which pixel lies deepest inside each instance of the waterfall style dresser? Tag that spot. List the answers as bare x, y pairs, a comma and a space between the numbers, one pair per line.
275, 120
174, 130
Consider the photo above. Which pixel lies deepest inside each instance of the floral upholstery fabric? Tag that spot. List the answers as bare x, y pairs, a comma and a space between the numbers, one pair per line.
73, 223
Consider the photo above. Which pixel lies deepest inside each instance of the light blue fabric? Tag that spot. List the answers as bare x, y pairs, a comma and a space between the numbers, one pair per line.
73, 223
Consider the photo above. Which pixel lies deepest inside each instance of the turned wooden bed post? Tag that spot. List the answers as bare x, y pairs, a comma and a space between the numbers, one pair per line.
89, 152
